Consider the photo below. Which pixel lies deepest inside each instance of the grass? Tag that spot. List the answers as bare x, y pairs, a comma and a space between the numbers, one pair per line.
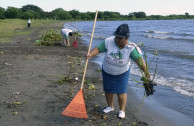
14, 27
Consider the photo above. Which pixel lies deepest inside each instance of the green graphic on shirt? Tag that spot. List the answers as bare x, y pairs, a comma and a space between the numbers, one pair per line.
117, 55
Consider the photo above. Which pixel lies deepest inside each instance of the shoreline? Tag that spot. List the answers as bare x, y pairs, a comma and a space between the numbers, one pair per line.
31, 74
38, 82
145, 112
163, 106
151, 111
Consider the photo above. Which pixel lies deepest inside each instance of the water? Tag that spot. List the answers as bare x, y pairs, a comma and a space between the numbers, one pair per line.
174, 41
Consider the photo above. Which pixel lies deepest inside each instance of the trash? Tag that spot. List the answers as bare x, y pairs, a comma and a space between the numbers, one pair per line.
16, 93
76, 78
134, 123
99, 70
15, 113
91, 87
17, 103
96, 105
105, 117
37, 42
119, 124
8, 64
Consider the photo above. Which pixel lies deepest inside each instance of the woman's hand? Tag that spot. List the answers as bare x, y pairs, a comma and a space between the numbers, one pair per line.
94, 52
141, 63
88, 56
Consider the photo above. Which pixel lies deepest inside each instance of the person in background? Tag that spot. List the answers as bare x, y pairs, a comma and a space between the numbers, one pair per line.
29, 22
66, 33
119, 52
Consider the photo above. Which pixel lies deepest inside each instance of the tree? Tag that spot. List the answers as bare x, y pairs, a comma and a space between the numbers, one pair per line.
140, 14
155, 17
31, 7
12, 12
59, 13
187, 15
85, 16
53, 14
115, 15
75, 14
64, 15
123, 17
131, 16
173, 16
91, 15
27, 15
2, 13
100, 15
106, 15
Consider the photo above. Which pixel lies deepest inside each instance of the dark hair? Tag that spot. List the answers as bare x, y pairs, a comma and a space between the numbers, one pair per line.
70, 33
122, 31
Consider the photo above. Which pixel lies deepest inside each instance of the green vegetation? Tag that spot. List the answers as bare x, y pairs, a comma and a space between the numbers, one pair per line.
14, 27
64, 80
52, 37
35, 12
147, 82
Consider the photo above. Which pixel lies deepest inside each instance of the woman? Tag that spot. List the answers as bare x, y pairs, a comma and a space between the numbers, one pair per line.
116, 66
66, 33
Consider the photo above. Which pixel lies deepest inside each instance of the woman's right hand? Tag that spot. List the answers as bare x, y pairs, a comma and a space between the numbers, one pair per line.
88, 56
94, 52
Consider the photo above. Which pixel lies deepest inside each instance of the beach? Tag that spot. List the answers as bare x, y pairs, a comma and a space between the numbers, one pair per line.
38, 82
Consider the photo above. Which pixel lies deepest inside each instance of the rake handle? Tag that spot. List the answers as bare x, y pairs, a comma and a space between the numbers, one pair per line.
75, 29
89, 50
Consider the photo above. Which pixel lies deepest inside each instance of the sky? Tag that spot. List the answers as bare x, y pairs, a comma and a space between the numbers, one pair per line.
124, 7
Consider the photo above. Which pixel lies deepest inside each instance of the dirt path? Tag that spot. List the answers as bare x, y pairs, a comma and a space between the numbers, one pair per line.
38, 82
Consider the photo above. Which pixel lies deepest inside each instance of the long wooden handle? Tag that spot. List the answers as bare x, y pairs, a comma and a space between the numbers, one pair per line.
89, 50
75, 28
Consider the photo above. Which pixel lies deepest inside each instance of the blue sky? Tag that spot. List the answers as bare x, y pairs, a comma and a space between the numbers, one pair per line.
161, 7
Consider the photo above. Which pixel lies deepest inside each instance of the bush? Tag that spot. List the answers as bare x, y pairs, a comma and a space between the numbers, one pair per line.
51, 38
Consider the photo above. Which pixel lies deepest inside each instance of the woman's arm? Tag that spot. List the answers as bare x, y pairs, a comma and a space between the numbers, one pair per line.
141, 63
94, 52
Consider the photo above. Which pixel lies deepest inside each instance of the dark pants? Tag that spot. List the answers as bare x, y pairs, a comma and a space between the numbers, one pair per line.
28, 24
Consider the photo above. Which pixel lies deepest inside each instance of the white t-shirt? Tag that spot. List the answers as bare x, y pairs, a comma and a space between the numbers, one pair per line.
29, 21
116, 61
66, 31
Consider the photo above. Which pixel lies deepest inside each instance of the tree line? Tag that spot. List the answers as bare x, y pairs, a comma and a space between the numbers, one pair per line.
35, 12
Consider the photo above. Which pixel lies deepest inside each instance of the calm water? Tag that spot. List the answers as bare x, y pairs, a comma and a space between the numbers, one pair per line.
174, 41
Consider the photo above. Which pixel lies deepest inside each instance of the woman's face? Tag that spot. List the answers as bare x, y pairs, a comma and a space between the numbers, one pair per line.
121, 41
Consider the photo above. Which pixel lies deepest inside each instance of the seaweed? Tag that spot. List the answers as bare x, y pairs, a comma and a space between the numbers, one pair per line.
147, 82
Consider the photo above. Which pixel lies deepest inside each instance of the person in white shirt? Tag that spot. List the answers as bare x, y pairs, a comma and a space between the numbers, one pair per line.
29, 22
66, 33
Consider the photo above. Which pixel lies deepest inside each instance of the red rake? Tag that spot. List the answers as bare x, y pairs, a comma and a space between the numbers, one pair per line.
74, 44
76, 108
